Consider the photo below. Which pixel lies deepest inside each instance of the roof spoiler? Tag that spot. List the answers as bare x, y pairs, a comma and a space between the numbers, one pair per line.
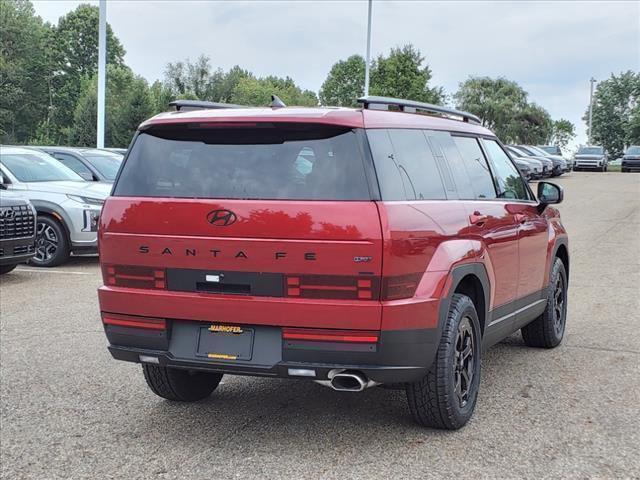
409, 106
187, 105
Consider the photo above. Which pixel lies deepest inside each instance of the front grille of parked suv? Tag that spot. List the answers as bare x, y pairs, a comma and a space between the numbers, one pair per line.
16, 222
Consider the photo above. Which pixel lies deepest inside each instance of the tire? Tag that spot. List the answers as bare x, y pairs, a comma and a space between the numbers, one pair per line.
547, 330
180, 385
7, 268
434, 400
52, 244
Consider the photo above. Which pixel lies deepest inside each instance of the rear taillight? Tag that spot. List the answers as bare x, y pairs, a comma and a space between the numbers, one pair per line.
339, 287
134, 276
342, 287
400, 286
147, 323
323, 335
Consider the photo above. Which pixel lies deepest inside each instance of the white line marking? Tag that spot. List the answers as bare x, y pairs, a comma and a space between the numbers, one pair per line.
38, 270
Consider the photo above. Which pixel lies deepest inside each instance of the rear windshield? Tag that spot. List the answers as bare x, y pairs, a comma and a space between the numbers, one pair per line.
268, 161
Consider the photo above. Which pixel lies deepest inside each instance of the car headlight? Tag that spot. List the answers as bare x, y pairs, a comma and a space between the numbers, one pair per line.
86, 200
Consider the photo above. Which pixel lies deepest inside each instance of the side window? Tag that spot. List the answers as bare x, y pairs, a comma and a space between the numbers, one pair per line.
510, 183
74, 164
476, 166
405, 165
387, 171
416, 160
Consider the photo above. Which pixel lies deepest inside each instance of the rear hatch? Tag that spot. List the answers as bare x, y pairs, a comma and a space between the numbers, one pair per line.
269, 223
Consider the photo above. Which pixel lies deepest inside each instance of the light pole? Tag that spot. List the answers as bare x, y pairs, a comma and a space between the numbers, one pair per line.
368, 60
102, 71
592, 82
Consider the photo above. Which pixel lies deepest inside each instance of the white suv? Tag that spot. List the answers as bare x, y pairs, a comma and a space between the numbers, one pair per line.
68, 207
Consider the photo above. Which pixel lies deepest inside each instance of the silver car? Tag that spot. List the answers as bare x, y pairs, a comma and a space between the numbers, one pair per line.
68, 207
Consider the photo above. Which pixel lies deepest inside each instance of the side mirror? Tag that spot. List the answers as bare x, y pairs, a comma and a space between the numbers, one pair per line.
86, 176
3, 185
549, 193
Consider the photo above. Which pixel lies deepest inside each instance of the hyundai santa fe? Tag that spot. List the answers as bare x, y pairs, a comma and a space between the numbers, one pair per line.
385, 245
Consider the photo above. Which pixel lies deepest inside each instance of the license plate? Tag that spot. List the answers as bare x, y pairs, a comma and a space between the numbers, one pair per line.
225, 342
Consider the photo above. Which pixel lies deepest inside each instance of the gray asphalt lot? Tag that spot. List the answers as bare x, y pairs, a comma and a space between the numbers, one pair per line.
69, 411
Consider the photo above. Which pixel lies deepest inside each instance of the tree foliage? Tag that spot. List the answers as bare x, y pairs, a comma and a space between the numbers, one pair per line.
562, 132
75, 55
502, 106
402, 75
128, 103
25, 71
258, 91
616, 113
344, 83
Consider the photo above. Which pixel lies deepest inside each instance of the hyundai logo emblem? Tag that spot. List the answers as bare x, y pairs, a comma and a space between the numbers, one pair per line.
6, 213
221, 218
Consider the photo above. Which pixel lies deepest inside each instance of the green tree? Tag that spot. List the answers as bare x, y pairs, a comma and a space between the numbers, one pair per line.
25, 71
345, 83
531, 125
633, 135
496, 101
160, 96
257, 92
402, 75
562, 132
128, 103
82, 131
615, 111
75, 41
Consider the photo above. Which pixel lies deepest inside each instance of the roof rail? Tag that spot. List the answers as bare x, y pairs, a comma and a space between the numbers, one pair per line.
187, 105
409, 106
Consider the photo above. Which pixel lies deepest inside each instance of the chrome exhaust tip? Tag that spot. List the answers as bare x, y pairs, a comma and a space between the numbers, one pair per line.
348, 382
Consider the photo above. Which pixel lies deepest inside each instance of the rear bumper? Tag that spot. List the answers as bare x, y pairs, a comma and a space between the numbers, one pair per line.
398, 356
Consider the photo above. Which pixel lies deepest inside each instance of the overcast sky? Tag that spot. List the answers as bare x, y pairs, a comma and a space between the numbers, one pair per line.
550, 48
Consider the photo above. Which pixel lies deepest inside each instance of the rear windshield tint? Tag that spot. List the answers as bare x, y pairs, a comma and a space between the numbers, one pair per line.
269, 161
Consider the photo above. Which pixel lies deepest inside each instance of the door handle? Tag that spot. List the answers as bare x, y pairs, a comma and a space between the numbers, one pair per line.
476, 218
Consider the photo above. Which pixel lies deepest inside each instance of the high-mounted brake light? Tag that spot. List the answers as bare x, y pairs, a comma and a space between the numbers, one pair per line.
146, 323
323, 335
134, 276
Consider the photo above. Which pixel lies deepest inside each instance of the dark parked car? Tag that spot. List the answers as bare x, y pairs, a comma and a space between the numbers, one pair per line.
17, 230
92, 164
395, 252
631, 159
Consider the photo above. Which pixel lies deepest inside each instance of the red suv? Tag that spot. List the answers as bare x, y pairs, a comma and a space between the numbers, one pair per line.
355, 247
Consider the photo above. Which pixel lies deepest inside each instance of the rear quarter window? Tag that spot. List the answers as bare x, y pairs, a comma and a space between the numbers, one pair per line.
270, 161
405, 165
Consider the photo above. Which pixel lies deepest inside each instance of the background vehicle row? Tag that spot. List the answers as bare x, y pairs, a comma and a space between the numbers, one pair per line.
68, 207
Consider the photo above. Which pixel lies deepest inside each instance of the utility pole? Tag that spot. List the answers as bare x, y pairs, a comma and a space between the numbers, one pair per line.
368, 60
102, 71
592, 81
